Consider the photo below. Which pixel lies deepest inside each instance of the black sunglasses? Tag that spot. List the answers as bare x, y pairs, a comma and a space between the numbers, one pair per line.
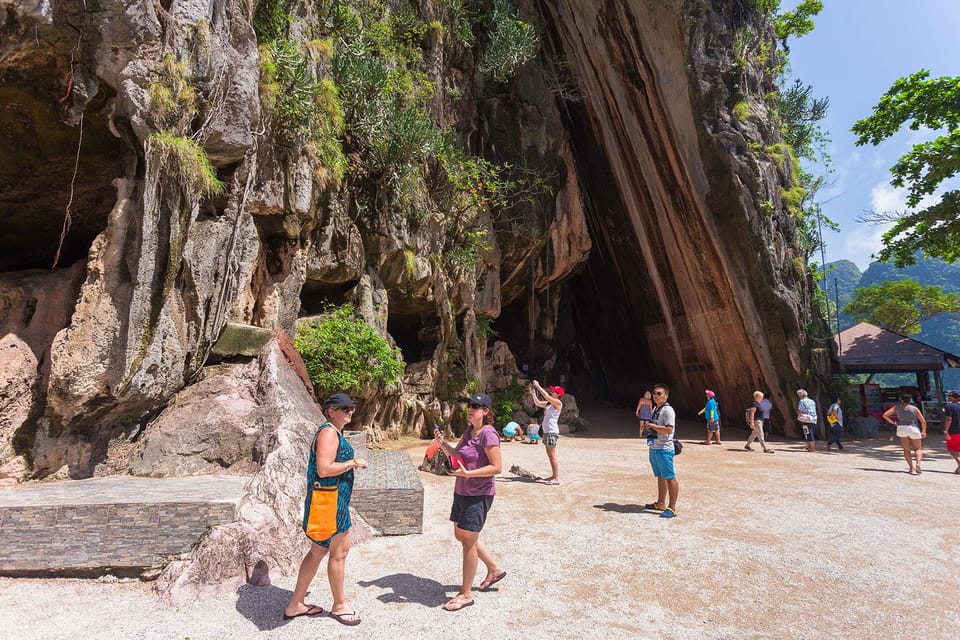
474, 405
658, 393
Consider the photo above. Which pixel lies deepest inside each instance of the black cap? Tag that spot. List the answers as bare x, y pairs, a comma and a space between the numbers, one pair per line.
481, 399
339, 401
954, 394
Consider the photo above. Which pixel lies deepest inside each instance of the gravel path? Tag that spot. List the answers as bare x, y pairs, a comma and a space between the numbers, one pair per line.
791, 545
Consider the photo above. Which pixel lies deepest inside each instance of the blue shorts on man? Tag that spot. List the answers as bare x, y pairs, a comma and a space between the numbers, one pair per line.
661, 460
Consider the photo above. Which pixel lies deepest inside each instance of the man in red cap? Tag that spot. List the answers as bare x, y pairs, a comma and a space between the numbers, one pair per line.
551, 404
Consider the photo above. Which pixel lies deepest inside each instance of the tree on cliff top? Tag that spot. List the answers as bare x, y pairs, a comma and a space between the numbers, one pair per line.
928, 103
901, 305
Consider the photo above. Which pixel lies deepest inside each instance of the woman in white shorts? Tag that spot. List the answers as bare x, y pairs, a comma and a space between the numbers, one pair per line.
911, 429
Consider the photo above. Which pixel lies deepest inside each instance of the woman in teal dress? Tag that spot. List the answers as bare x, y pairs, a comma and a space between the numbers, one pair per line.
331, 463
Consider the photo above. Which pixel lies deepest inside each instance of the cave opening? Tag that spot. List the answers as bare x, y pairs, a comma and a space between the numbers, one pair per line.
607, 307
320, 297
39, 154
417, 336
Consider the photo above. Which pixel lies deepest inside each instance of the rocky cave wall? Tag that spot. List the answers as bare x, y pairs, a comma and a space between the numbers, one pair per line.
691, 282
647, 258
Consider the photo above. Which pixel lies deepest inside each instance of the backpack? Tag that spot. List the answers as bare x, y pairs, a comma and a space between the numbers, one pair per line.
746, 416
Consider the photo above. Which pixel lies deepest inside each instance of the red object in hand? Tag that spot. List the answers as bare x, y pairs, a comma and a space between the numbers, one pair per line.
454, 463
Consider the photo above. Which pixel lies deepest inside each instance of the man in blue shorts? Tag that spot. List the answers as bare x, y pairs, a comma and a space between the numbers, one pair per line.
660, 440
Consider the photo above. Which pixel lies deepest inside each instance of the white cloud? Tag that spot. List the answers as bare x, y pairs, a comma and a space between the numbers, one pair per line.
885, 197
861, 241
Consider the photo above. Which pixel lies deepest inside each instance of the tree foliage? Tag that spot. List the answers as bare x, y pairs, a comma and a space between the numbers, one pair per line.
798, 22
799, 113
901, 305
929, 103
344, 353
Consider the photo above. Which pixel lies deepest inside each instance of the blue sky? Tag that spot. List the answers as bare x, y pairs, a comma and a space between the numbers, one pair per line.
857, 50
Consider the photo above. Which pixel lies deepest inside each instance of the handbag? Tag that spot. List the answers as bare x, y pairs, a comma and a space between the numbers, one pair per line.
322, 519
677, 447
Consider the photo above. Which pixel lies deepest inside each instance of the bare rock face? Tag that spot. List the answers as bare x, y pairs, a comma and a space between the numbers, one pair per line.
680, 284
34, 306
266, 536
212, 426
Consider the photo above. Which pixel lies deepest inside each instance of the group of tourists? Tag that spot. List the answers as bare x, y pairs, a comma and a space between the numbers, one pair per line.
332, 462
905, 416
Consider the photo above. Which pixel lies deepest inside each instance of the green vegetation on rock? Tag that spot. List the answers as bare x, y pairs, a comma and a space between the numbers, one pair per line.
344, 353
188, 161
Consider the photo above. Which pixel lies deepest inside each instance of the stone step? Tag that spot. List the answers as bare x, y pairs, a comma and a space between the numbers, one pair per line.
389, 495
124, 524
128, 524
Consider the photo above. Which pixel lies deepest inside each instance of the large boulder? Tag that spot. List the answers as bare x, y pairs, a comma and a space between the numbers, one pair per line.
266, 537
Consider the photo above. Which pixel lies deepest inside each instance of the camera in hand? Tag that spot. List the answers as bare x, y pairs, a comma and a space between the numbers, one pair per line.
648, 433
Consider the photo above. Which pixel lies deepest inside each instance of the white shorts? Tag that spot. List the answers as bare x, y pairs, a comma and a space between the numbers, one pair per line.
908, 431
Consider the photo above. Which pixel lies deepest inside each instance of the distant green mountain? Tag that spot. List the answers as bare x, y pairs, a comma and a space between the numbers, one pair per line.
942, 333
843, 277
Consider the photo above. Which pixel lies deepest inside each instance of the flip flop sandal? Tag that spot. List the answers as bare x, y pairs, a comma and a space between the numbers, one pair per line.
652, 506
456, 605
489, 582
312, 610
339, 617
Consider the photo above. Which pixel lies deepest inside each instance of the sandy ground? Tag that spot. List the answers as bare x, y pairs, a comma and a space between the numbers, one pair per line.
791, 545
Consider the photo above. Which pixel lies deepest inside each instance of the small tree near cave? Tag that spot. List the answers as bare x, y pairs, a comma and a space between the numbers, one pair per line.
344, 353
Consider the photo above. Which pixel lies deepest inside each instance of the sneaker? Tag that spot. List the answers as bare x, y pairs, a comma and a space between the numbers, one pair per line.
748, 448
768, 450
668, 513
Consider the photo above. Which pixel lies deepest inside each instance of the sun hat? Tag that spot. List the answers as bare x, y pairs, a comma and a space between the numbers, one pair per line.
511, 429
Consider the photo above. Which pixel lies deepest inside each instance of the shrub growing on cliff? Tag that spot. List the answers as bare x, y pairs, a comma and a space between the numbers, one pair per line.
512, 42
344, 353
187, 160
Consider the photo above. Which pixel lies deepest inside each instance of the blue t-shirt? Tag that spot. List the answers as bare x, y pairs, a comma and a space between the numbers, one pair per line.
765, 407
711, 410
952, 409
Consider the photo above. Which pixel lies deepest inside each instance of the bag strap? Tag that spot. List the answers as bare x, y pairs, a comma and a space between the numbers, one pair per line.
313, 448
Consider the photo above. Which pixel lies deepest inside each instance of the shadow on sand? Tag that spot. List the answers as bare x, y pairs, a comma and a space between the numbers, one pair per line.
623, 508
264, 605
408, 588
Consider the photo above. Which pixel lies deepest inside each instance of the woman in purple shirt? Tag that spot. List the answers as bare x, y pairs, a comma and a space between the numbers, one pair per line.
479, 447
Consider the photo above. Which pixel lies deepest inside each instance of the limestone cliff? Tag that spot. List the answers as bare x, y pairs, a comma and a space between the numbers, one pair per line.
654, 244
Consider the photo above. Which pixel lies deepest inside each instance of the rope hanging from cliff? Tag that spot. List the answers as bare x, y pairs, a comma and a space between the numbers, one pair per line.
67, 219
73, 181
